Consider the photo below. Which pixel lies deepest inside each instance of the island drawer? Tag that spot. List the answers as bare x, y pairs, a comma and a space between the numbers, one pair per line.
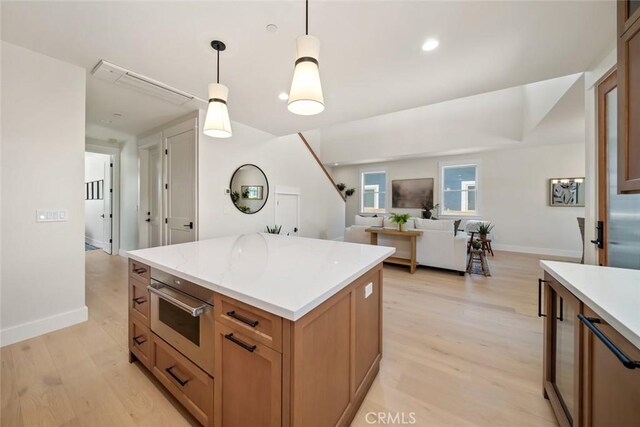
139, 301
139, 271
259, 325
188, 383
140, 342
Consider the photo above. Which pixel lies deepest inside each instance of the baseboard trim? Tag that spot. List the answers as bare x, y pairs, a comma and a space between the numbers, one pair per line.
42, 326
93, 242
537, 251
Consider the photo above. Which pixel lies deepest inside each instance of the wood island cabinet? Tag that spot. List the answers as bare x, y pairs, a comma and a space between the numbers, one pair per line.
586, 383
269, 371
628, 96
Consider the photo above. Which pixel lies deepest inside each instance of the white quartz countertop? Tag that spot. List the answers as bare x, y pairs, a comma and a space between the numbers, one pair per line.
613, 293
286, 276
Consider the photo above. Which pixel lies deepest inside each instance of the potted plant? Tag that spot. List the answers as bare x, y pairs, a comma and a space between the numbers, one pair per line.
350, 192
341, 186
429, 210
274, 230
400, 219
484, 228
476, 244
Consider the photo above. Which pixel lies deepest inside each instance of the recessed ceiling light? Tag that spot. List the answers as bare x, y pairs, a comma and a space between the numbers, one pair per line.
283, 96
335, 164
272, 28
430, 44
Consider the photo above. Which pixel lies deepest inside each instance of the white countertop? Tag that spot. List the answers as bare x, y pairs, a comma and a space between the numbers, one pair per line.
286, 276
613, 293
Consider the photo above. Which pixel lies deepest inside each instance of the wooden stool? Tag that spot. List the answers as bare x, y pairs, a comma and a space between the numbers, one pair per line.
477, 256
486, 246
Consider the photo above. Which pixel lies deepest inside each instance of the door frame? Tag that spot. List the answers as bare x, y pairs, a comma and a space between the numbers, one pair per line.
290, 191
114, 152
156, 140
606, 85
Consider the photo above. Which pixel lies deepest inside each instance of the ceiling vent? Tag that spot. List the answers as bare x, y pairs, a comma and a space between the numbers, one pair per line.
125, 78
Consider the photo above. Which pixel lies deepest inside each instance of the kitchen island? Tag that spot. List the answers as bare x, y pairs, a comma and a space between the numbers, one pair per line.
591, 368
260, 329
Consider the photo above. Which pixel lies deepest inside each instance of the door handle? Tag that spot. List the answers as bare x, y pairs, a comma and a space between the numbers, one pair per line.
590, 322
295, 229
540, 282
190, 225
599, 241
148, 220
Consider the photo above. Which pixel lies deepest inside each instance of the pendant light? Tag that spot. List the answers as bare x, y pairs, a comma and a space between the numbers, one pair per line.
305, 96
217, 123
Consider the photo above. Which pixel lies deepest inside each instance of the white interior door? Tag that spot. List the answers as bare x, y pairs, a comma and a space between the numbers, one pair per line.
154, 214
181, 187
287, 213
107, 216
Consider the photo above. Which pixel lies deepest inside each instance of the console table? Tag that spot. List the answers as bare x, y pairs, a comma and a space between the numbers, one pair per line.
412, 235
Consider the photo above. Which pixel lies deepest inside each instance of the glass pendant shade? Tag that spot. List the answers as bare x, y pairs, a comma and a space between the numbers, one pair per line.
305, 96
217, 123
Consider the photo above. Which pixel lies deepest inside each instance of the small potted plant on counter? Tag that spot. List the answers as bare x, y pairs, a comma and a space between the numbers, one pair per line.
274, 230
484, 229
400, 219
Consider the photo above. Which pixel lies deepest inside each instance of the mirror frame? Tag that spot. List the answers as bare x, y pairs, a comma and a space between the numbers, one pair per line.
266, 195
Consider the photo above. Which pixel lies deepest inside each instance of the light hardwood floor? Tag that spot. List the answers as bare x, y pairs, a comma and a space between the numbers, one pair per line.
458, 351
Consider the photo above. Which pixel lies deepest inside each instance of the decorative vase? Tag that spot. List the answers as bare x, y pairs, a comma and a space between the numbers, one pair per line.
483, 237
401, 227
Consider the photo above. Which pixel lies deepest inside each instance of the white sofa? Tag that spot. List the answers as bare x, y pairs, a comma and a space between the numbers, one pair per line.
438, 246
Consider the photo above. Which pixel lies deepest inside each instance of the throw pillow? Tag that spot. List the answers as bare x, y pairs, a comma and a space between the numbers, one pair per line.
368, 221
456, 225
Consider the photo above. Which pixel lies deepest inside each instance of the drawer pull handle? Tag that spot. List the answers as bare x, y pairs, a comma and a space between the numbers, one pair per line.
138, 341
175, 377
252, 323
139, 300
540, 282
589, 323
249, 348
139, 270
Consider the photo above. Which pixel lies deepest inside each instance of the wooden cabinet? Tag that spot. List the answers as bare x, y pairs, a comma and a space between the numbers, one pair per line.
611, 390
562, 345
188, 383
628, 96
248, 380
140, 342
584, 372
261, 326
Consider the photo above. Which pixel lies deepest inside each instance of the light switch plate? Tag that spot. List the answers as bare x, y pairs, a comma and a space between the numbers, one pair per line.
52, 215
368, 290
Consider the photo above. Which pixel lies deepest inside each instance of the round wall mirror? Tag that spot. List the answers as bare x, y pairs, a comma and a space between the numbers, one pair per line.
249, 189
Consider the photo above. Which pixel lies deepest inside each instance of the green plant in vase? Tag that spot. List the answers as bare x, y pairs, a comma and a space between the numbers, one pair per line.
476, 244
274, 230
341, 186
350, 192
484, 229
400, 219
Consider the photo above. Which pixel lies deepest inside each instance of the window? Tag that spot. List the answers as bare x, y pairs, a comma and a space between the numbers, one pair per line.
459, 186
374, 192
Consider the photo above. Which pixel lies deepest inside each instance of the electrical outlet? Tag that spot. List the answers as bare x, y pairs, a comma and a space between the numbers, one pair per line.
368, 290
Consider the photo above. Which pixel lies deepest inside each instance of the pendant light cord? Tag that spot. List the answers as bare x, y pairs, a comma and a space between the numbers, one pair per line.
306, 21
218, 68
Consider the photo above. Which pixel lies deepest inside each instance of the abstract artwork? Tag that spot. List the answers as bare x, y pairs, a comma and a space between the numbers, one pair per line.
411, 193
566, 192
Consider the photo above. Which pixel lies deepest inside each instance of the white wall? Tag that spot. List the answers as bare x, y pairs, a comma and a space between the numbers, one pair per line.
513, 194
286, 162
128, 182
93, 209
43, 116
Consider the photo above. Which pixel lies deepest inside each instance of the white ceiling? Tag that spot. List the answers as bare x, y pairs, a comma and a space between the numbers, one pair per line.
370, 61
